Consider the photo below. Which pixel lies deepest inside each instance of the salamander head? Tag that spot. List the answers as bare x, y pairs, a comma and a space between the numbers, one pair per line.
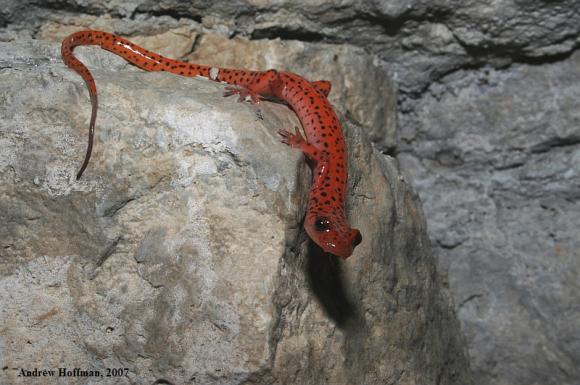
333, 236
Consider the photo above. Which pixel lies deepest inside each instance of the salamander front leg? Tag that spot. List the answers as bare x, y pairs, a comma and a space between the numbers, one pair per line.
296, 140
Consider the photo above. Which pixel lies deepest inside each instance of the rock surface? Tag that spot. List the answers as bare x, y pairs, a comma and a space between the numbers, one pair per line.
179, 254
418, 40
496, 160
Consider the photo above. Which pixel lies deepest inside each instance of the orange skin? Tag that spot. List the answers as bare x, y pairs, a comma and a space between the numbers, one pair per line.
324, 146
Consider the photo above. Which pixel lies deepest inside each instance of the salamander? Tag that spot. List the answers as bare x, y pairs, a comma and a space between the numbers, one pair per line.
323, 144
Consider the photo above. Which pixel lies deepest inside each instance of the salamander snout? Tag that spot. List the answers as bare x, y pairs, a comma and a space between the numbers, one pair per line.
332, 238
343, 246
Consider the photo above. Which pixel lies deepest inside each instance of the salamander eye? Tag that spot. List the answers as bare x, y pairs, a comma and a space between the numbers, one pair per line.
321, 224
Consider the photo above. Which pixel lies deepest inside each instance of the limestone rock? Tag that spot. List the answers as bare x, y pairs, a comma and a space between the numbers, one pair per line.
419, 41
180, 255
495, 157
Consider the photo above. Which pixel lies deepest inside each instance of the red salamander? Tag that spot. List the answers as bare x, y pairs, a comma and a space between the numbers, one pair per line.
323, 144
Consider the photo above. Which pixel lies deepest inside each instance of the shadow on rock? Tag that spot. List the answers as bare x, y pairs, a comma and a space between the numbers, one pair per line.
326, 281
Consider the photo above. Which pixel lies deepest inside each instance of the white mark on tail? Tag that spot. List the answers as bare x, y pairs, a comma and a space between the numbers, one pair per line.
213, 73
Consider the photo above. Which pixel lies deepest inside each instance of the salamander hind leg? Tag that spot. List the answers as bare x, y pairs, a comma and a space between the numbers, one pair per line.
296, 140
255, 85
323, 86
243, 94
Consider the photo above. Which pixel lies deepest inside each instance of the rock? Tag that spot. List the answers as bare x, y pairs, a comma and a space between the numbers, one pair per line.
418, 41
495, 157
180, 256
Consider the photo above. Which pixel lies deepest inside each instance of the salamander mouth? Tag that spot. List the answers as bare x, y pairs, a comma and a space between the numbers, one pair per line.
343, 248
341, 252
339, 244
